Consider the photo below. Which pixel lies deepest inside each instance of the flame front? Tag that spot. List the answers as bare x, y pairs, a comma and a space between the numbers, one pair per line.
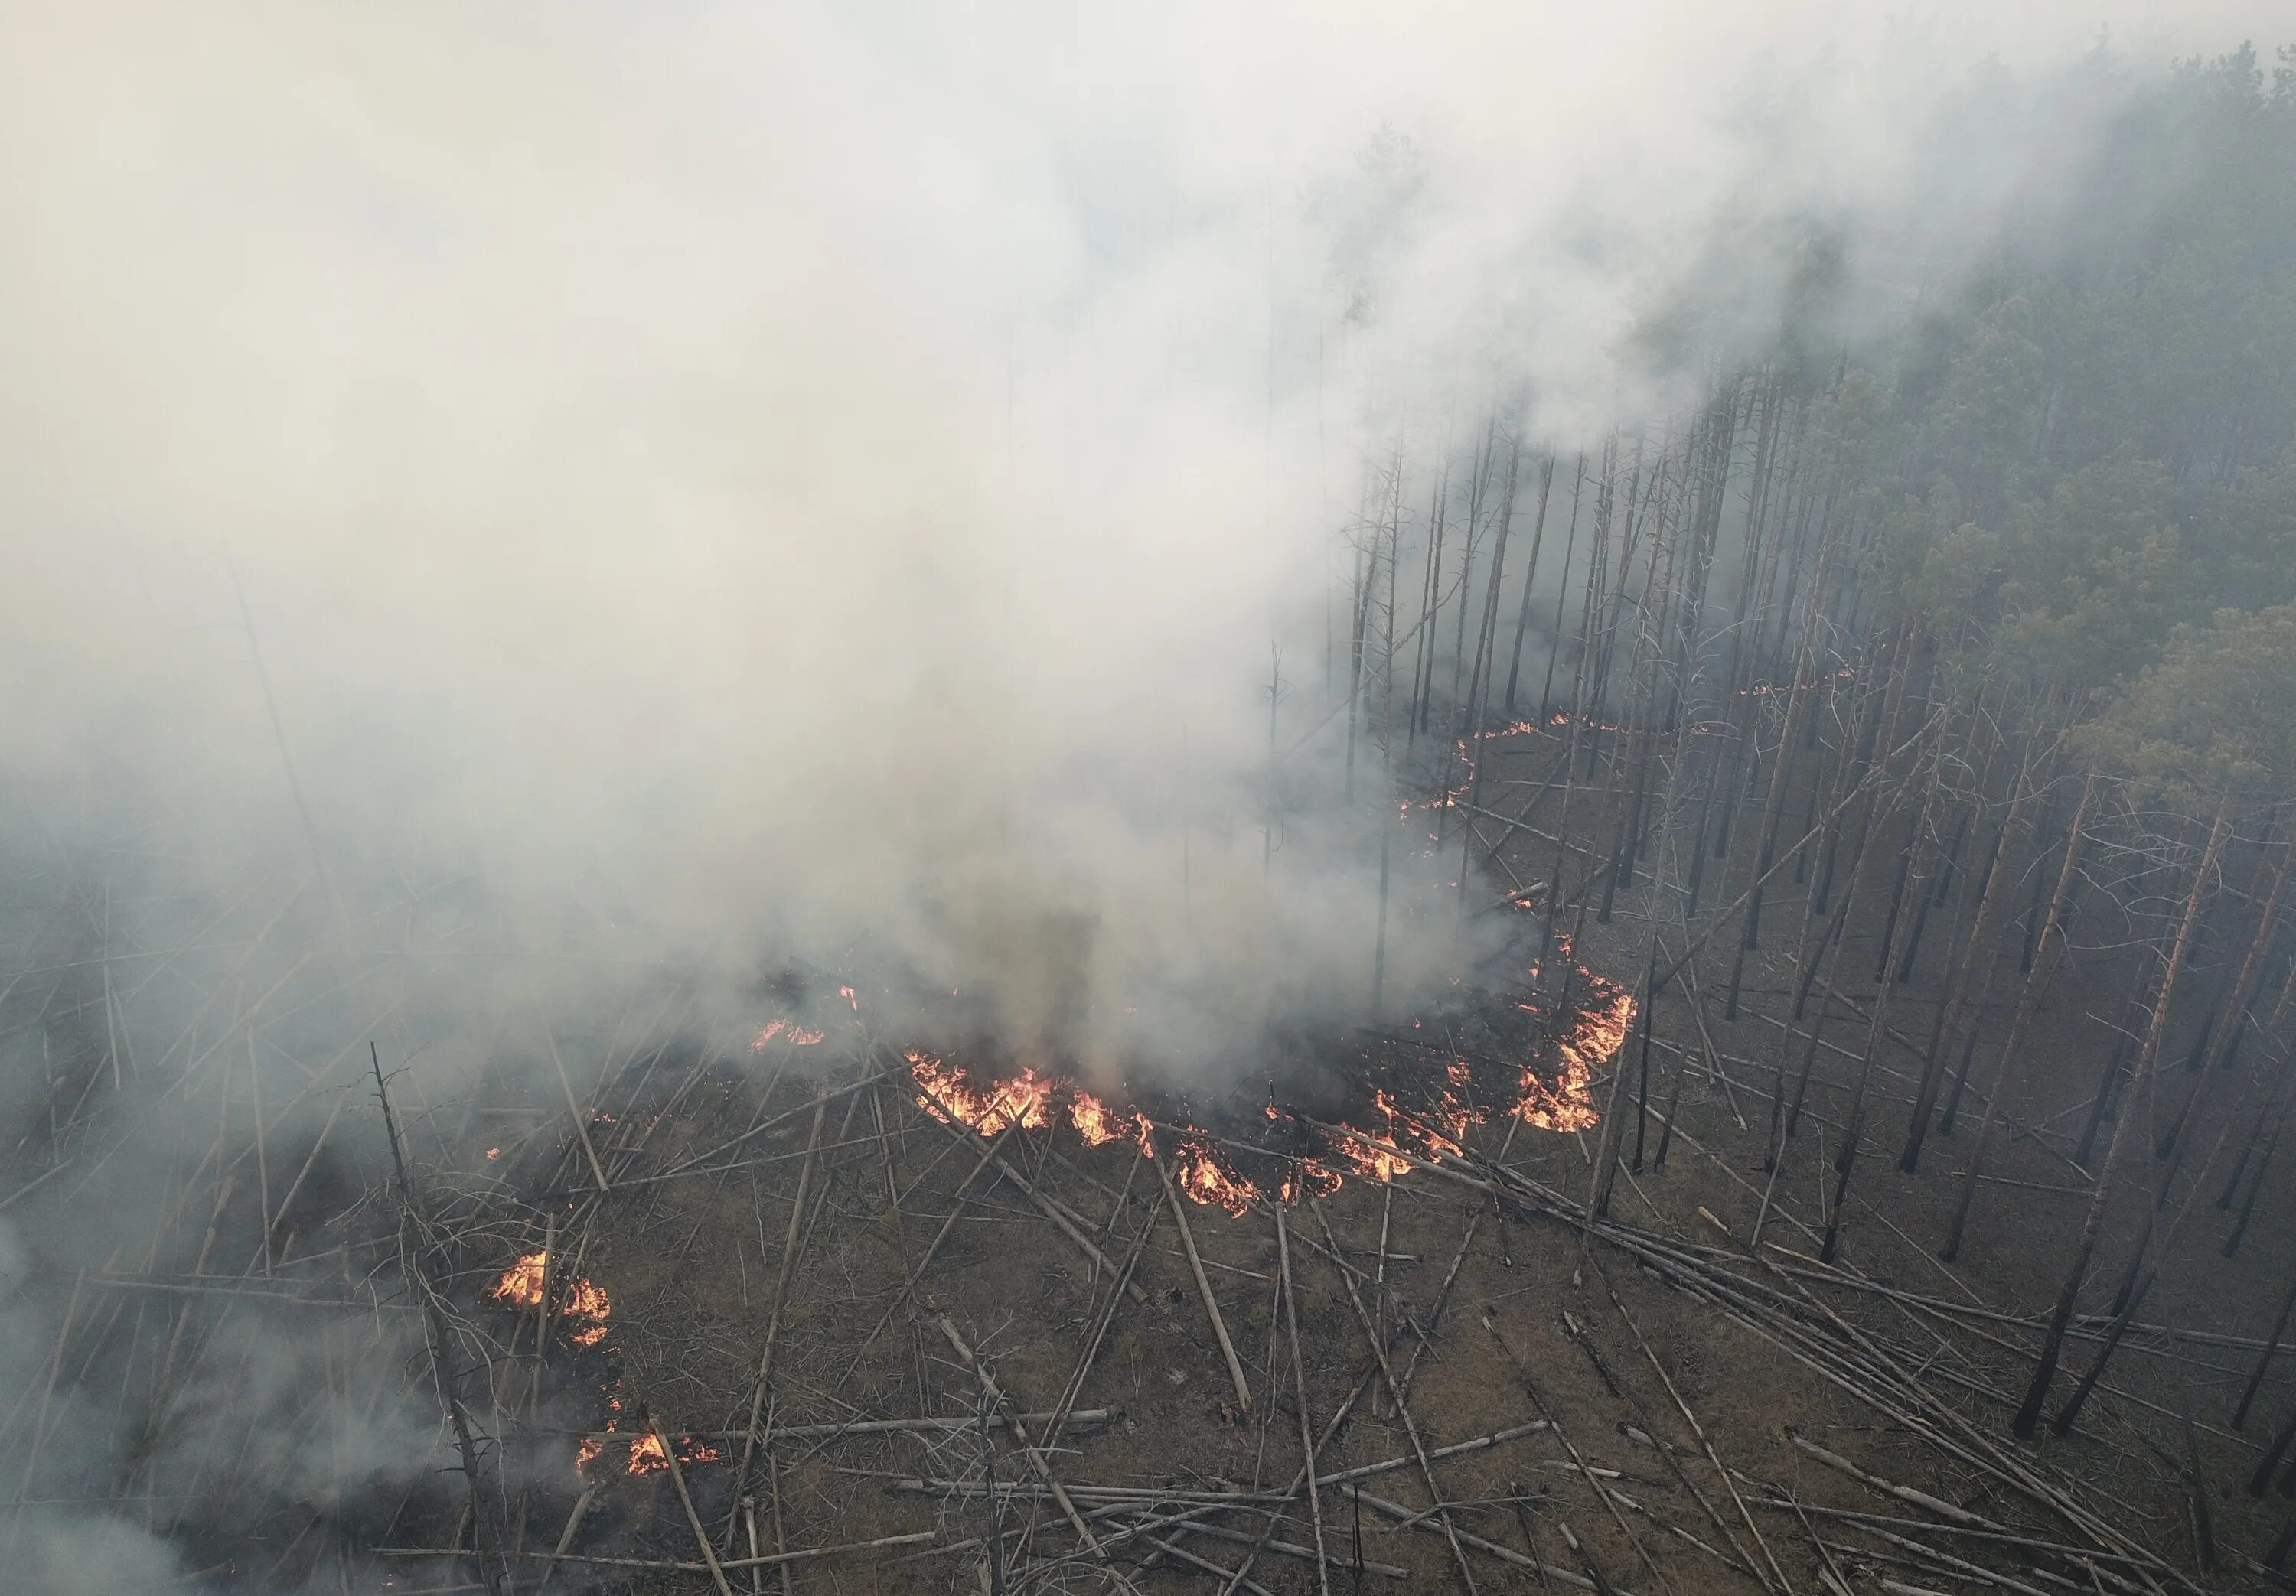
1594, 1039
943, 1094
1399, 1139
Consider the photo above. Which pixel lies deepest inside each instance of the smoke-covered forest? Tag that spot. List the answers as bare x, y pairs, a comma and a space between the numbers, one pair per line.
857, 800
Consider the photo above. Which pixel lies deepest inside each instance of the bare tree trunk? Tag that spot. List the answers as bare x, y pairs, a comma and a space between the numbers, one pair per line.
2045, 1367
1530, 581
1422, 657
2268, 1109
2236, 1000
1797, 704
415, 1255
1475, 491
1845, 1160
1387, 743
1562, 593
2026, 1001
1484, 651
1957, 990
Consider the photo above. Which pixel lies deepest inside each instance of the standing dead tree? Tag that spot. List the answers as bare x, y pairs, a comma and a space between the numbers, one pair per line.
415, 1245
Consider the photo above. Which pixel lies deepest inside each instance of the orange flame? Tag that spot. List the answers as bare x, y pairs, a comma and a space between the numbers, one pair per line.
583, 1304
520, 1284
1198, 1172
1100, 1125
1405, 1137
1600, 1032
647, 1456
943, 1093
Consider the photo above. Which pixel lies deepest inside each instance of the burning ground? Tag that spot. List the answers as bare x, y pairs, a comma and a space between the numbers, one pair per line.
1346, 1102
867, 1295
886, 1298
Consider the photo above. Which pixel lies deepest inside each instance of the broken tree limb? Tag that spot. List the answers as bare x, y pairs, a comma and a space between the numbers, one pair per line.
1038, 1462
1300, 1388
1204, 1289
762, 1381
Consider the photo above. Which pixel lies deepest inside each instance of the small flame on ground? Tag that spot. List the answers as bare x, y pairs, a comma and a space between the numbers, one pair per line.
647, 1457
645, 1454
795, 1034
583, 1304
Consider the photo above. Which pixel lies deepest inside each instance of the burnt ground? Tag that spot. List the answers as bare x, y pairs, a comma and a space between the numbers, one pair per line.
1908, 1370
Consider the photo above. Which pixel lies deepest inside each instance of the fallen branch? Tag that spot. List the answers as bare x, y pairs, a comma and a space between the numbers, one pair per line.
1204, 1290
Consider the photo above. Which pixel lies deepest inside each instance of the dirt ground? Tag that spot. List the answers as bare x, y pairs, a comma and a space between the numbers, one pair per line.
1530, 1328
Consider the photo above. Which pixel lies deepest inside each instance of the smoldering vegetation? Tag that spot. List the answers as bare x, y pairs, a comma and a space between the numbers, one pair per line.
1161, 549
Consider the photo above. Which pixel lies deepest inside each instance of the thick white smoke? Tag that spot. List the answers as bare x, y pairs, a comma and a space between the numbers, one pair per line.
801, 471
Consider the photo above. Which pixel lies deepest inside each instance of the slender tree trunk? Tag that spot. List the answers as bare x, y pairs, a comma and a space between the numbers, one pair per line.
1606, 1152
1936, 898
1475, 493
1387, 742
2271, 1346
2028, 1000
1530, 582
1604, 637
2139, 1005
2045, 1367
1360, 608
2236, 1000
1422, 654
1562, 593
1483, 652
1957, 990
2273, 1092
1796, 702
2256, 1185
1845, 1160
